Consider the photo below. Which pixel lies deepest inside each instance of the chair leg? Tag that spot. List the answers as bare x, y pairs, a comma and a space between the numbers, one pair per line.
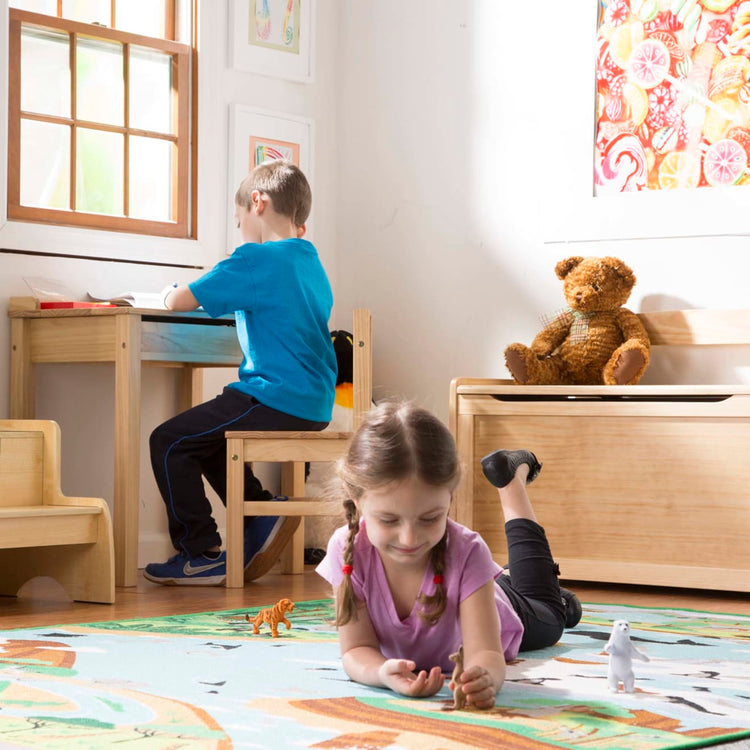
293, 485
235, 514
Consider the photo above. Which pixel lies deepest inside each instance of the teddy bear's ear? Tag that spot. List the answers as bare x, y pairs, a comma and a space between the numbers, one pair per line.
621, 269
564, 267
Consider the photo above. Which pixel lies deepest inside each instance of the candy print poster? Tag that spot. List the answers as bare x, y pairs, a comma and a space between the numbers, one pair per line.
673, 95
275, 24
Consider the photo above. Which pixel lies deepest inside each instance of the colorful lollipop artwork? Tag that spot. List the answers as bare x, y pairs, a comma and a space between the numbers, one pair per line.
673, 95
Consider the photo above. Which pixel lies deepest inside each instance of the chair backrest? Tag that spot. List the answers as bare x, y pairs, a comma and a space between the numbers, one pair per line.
362, 365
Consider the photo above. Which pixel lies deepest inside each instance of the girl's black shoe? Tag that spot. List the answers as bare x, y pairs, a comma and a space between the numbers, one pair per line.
573, 610
500, 466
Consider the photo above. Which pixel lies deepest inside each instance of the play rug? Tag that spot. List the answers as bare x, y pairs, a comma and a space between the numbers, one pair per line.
205, 681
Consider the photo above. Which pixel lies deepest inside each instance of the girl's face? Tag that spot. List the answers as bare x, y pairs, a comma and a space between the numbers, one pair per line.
406, 519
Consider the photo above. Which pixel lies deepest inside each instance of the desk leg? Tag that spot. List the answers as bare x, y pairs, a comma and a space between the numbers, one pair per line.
22, 372
191, 387
127, 448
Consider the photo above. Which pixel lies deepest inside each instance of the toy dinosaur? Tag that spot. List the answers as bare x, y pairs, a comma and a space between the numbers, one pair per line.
273, 616
459, 697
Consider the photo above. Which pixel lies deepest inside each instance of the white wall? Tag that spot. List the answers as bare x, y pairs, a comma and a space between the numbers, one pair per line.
436, 124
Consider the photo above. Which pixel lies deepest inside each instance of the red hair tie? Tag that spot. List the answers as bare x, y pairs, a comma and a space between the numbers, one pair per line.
438, 580
347, 570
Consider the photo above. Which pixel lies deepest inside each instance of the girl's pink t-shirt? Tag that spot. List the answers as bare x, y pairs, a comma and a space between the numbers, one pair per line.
468, 566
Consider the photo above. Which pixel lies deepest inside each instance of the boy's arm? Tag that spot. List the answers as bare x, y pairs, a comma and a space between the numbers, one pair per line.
179, 299
363, 662
484, 663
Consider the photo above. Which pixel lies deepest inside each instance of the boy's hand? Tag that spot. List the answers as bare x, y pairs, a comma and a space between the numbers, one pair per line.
478, 686
398, 675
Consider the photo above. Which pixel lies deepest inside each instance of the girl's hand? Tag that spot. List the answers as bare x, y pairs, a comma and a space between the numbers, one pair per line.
398, 675
478, 686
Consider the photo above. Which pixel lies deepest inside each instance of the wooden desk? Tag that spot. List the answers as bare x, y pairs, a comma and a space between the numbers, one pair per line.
129, 338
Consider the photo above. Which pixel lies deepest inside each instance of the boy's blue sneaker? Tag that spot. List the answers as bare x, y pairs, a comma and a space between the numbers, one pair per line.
183, 570
265, 537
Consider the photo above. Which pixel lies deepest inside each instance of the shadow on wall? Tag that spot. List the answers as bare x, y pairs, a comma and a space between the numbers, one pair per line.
654, 302
687, 365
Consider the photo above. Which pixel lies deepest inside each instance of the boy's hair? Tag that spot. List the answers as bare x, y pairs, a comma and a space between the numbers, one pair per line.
284, 183
396, 440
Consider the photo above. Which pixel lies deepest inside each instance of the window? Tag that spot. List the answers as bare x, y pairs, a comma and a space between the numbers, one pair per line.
99, 116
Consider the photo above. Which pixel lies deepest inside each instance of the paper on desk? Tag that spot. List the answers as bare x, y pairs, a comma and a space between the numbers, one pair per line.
146, 300
49, 290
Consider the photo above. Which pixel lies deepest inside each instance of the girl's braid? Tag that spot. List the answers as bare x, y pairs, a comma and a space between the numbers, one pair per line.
346, 602
433, 605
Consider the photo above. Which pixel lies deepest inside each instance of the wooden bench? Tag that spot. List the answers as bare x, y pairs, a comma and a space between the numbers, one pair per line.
43, 532
644, 484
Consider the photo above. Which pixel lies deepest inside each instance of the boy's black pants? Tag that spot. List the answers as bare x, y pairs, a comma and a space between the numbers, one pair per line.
191, 445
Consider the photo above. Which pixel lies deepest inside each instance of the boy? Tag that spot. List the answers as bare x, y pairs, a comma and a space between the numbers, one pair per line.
279, 293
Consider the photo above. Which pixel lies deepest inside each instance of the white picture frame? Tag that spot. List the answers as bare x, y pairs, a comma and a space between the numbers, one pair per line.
265, 38
568, 208
256, 135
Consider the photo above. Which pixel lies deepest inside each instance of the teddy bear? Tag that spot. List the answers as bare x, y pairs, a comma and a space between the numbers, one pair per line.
596, 340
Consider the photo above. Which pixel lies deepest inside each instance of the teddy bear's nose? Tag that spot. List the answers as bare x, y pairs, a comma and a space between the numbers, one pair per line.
579, 296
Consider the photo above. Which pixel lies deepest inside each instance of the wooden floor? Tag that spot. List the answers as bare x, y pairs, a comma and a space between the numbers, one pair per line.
42, 601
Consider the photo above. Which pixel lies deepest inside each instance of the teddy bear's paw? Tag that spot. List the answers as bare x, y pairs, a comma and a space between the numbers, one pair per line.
625, 368
516, 356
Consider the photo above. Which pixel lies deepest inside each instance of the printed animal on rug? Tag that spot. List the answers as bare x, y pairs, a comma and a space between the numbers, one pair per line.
459, 697
621, 654
273, 616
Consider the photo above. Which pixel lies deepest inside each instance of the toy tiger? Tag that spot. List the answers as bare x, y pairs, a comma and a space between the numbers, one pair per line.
273, 616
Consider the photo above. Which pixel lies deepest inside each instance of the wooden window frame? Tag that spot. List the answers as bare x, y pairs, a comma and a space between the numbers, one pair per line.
181, 68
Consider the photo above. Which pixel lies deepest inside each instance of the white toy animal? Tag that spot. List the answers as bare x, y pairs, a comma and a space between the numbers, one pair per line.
621, 654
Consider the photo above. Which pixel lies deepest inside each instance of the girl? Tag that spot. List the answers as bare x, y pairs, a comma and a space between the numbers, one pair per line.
412, 585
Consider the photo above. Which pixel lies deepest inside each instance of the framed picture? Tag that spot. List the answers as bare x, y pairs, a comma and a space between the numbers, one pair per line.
273, 37
257, 135
620, 162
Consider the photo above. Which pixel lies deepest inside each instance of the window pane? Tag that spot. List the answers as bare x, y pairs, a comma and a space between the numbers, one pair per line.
45, 165
150, 179
99, 172
141, 17
99, 82
150, 90
88, 11
45, 72
48, 7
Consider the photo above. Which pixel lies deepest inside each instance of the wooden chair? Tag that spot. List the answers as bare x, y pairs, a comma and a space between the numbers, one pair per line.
43, 532
292, 450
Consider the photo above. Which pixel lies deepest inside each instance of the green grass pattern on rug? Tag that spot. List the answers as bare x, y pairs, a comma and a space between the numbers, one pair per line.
205, 681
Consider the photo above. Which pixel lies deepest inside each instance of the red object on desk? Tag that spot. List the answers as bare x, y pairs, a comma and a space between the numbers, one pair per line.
71, 305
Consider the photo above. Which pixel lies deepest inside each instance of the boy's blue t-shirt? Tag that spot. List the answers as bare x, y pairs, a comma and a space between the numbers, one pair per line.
281, 299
